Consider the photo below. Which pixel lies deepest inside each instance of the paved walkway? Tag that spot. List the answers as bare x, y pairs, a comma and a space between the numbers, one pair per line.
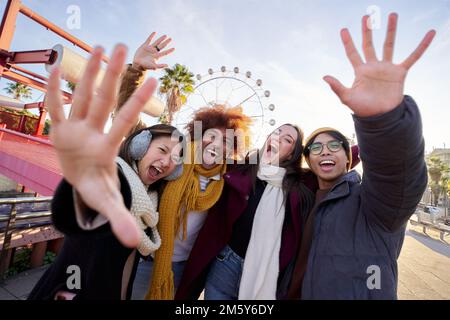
424, 266
424, 271
18, 287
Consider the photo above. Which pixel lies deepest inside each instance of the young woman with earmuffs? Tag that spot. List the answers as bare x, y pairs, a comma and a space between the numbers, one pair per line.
106, 204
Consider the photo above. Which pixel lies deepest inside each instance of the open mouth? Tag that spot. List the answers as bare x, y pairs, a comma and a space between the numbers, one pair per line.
272, 148
154, 172
327, 165
212, 152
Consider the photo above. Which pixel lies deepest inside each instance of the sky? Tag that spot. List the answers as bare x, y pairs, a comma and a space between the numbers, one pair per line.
290, 45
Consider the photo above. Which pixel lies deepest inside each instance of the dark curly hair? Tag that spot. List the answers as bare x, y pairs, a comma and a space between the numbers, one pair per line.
219, 116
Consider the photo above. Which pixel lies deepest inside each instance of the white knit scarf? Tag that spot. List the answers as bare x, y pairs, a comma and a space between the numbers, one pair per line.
261, 264
144, 207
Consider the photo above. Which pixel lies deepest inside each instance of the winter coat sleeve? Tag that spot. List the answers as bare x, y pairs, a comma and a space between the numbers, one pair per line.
394, 170
131, 80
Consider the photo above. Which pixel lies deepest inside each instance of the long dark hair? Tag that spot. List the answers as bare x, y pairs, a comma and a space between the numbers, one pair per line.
158, 130
294, 171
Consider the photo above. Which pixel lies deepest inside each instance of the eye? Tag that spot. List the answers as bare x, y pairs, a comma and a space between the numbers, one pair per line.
289, 141
315, 147
162, 150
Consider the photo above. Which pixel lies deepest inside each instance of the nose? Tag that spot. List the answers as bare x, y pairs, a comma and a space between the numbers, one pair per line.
325, 151
217, 144
165, 162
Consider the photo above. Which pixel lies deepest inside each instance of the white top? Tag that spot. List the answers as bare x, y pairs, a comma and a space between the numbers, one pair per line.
195, 221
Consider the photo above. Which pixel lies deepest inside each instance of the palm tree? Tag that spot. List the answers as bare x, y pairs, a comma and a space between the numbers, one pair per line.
438, 171
175, 84
71, 86
18, 90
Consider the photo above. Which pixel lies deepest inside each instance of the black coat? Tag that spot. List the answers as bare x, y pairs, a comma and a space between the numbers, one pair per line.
100, 257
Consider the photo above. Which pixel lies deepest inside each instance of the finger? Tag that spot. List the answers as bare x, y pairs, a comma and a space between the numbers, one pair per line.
127, 116
105, 98
159, 40
53, 99
424, 44
165, 52
338, 88
161, 66
124, 226
368, 49
163, 44
84, 92
149, 39
350, 50
388, 51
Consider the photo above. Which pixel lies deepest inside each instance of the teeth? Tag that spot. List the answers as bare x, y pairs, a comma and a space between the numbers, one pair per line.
158, 169
327, 162
213, 153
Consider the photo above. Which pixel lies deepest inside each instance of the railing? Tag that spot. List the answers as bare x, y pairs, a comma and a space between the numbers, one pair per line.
15, 221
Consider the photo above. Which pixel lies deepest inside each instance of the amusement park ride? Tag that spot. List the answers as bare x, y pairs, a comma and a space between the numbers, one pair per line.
31, 161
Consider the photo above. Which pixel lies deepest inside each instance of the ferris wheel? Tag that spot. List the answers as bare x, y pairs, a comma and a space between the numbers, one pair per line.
230, 88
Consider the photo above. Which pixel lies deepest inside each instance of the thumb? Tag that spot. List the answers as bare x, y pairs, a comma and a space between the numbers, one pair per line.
336, 86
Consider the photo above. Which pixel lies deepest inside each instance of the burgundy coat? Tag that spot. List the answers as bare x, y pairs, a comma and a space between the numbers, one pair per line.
217, 230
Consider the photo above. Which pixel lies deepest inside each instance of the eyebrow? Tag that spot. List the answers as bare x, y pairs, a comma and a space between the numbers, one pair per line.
291, 137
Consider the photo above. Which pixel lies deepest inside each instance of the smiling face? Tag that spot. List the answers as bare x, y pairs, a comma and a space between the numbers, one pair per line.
279, 145
328, 165
216, 146
160, 160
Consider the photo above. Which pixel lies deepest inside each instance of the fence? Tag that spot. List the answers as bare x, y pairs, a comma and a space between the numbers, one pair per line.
25, 221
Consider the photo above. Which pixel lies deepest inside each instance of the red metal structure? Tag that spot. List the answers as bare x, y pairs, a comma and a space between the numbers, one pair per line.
10, 60
31, 162
28, 159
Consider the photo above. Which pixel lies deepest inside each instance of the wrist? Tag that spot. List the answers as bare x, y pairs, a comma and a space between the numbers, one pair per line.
137, 67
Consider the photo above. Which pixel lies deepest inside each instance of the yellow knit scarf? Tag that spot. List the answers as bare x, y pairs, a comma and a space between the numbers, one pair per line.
180, 195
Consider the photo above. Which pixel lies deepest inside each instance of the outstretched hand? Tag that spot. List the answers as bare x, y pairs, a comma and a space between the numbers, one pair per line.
149, 53
85, 153
378, 85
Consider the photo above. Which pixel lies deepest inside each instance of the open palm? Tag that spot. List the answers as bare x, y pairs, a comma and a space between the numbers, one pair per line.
378, 85
85, 153
148, 54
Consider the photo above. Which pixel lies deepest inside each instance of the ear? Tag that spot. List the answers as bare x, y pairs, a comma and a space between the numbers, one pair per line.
140, 144
176, 173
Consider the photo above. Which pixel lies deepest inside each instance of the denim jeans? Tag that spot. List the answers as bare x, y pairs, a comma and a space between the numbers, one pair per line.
144, 273
224, 276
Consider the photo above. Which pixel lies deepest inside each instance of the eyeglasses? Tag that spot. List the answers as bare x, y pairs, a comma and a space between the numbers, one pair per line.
333, 145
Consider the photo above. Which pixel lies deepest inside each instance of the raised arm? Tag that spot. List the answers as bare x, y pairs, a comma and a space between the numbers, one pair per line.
86, 155
145, 58
388, 127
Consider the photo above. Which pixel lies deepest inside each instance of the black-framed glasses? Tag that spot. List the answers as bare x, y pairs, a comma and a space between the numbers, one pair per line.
333, 145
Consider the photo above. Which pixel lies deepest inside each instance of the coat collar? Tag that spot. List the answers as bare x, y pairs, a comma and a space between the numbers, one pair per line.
342, 187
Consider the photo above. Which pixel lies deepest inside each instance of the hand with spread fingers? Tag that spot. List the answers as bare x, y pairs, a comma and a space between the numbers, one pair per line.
85, 153
378, 85
149, 53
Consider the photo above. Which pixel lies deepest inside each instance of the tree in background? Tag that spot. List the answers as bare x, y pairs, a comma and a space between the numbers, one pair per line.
18, 90
71, 86
438, 172
176, 84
